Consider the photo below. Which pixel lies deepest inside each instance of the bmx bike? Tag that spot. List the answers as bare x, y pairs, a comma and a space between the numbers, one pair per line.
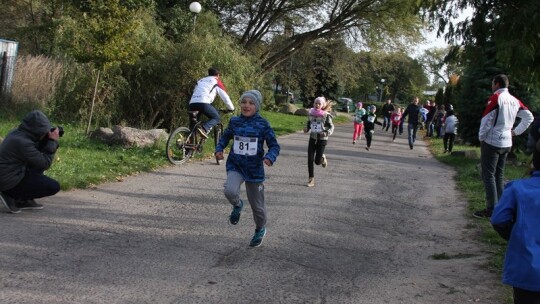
183, 142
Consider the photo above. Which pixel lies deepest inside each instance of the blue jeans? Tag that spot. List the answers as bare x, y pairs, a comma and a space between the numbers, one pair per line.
386, 123
493, 160
209, 111
411, 129
34, 185
430, 129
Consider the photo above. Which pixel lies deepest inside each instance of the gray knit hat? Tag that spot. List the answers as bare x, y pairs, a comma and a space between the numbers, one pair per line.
255, 96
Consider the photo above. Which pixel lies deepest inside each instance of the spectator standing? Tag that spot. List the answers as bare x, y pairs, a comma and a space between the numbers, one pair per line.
424, 110
439, 120
430, 118
450, 131
495, 136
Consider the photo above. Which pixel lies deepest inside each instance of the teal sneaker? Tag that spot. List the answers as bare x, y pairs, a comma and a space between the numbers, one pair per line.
235, 214
257, 239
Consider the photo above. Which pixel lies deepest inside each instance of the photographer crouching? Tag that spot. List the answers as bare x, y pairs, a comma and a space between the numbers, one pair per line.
25, 154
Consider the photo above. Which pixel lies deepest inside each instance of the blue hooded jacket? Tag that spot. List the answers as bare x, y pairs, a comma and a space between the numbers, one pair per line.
517, 218
255, 127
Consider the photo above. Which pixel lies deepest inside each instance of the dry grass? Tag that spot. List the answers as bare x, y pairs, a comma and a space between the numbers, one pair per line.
35, 79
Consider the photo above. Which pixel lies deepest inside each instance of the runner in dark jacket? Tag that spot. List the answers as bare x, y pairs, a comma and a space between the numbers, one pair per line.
413, 111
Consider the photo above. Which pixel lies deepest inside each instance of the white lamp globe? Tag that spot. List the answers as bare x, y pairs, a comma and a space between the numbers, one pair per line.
195, 7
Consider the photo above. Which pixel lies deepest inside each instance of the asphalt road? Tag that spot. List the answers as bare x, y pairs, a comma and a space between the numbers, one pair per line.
367, 233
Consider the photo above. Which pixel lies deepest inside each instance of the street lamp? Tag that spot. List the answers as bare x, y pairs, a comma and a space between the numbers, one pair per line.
382, 88
289, 80
195, 8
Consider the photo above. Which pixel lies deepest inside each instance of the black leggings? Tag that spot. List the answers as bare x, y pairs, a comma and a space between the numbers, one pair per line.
394, 131
448, 141
315, 153
522, 296
369, 137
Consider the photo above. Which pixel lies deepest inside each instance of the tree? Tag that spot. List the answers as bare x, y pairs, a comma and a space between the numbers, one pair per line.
369, 23
511, 25
404, 76
31, 23
441, 63
107, 35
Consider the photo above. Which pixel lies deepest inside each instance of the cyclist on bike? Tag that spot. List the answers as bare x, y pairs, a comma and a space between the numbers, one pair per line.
203, 96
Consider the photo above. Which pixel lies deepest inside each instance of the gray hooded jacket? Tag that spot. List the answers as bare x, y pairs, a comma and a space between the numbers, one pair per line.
21, 150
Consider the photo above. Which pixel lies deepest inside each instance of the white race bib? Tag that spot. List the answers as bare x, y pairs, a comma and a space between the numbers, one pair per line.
316, 127
245, 145
371, 118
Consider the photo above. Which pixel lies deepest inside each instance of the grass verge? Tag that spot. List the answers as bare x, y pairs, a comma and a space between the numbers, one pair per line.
470, 184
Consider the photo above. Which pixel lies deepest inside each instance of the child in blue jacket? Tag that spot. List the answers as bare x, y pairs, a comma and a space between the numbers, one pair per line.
516, 218
249, 132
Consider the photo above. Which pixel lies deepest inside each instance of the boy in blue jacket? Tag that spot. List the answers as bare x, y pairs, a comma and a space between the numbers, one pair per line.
249, 132
516, 217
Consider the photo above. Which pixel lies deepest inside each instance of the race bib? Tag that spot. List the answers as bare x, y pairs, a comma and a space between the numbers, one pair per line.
316, 127
245, 145
371, 118
397, 118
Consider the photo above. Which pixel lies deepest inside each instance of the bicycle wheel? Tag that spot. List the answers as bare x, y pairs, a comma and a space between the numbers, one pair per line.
180, 146
218, 132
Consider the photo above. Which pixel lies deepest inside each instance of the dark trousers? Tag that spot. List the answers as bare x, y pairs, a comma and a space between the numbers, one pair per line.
394, 131
448, 141
34, 185
412, 128
386, 123
522, 296
315, 153
207, 110
493, 160
369, 138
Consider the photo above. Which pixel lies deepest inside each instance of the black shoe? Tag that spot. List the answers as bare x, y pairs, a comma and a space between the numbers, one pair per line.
411, 146
234, 218
9, 203
29, 205
486, 213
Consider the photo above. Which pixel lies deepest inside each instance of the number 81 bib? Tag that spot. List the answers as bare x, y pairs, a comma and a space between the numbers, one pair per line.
245, 145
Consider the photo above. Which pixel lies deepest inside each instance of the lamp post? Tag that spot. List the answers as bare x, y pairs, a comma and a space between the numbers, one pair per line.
195, 8
382, 88
289, 80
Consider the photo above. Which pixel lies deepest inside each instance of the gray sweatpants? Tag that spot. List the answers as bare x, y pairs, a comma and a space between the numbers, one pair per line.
255, 196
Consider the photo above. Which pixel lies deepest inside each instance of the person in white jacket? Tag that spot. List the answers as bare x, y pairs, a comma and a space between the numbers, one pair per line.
495, 136
450, 131
203, 96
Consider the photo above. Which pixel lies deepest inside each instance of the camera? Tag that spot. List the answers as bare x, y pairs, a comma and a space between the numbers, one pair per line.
60, 130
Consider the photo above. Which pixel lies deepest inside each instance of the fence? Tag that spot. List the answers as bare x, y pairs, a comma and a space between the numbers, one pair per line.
8, 58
